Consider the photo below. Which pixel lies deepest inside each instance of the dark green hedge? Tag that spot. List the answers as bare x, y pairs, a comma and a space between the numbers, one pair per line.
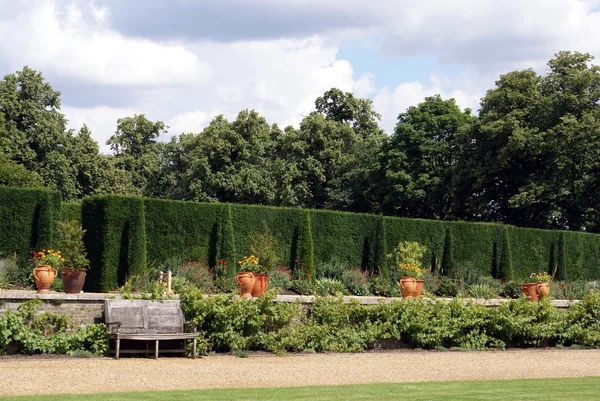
70, 211
115, 240
27, 220
120, 229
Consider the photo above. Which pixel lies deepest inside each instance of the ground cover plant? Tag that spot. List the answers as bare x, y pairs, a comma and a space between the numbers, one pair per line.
226, 323
579, 389
25, 331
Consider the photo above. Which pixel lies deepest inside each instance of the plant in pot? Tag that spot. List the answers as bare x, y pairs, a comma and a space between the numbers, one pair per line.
406, 257
538, 288
76, 262
45, 267
263, 247
246, 277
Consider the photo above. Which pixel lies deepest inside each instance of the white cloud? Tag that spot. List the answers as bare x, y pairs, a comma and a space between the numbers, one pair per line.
55, 38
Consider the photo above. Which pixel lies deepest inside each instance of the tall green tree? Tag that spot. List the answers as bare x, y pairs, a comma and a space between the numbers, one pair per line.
532, 158
34, 132
417, 166
136, 150
227, 162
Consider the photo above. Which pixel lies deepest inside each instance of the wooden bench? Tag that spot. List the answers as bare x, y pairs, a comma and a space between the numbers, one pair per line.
146, 321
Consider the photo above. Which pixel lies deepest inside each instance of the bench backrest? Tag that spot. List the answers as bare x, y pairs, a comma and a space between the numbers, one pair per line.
138, 317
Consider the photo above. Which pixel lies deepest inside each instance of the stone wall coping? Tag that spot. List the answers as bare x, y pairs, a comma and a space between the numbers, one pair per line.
303, 299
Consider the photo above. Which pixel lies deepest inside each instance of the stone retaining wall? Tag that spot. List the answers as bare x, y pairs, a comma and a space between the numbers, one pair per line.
89, 308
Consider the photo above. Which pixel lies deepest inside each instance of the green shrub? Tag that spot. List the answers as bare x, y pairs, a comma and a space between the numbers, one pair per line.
356, 281
70, 243
333, 268
330, 286
384, 287
512, 289
263, 247
198, 274
505, 266
303, 287
24, 331
280, 279
583, 322
447, 287
484, 291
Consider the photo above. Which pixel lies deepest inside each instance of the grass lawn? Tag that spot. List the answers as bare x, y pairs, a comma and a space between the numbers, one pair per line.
576, 389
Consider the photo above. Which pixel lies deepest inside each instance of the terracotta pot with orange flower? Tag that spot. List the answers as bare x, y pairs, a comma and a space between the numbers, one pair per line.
247, 276
406, 257
45, 267
539, 288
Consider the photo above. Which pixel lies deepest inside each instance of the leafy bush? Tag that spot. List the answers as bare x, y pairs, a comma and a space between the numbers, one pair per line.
356, 281
330, 286
198, 274
383, 287
448, 287
228, 323
24, 331
303, 287
482, 291
512, 289
17, 272
280, 279
70, 242
263, 246
334, 269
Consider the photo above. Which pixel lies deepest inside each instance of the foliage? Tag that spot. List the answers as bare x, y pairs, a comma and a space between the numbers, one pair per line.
280, 278
448, 287
356, 281
541, 277
505, 267
50, 257
250, 264
448, 266
384, 287
115, 240
70, 241
512, 289
13, 174
198, 274
417, 165
25, 331
303, 287
330, 286
263, 246
333, 269
561, 267
484, 291
330, 324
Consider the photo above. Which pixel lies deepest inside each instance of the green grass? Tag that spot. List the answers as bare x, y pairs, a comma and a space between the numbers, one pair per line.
576, 389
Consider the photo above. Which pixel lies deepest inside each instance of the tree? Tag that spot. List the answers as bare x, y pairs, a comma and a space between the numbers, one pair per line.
532, 158
136, 151
448, 267
228, 162
34, 130
417, 165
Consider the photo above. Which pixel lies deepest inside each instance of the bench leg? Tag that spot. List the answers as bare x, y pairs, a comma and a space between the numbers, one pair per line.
118, 348
156, 350
194, 349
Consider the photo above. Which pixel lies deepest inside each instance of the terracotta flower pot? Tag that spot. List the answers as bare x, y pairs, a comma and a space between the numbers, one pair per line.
245, 282
530, 290
419, 288
260, 285
73, 280
543, 290
43, 276
408, 286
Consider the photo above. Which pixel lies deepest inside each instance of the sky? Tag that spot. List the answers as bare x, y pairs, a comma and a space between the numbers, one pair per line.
185, 61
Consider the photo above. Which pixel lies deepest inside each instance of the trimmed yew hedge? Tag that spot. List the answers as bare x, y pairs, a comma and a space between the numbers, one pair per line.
115, 240
27, 220
122, 229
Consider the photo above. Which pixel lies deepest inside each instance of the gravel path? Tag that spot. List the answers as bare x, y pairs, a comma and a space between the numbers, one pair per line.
259, 370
